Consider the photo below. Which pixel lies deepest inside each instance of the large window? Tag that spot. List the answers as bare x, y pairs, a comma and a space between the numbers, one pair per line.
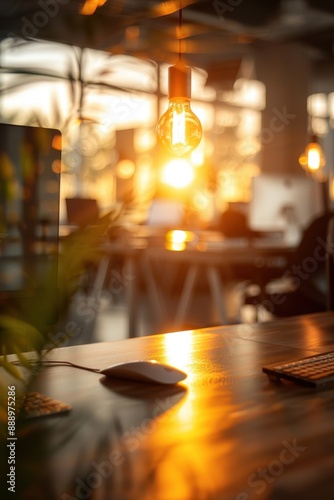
106, 107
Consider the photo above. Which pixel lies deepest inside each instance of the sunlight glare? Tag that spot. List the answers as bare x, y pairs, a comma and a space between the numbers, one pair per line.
178, 173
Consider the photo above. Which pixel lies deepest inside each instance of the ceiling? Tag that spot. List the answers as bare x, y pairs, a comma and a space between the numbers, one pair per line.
214, 32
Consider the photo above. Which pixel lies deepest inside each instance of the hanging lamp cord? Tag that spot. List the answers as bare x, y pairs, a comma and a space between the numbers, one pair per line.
180, 29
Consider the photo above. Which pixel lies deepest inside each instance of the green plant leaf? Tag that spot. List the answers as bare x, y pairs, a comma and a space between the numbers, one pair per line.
10, 368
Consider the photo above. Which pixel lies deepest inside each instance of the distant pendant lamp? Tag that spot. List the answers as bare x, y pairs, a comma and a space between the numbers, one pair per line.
313, 159
179, 130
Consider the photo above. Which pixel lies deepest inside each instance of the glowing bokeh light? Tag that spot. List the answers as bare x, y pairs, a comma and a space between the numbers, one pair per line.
176, 239
144, 139
313, 158
197, 157
90, 6
56, 166
125, 169
57, 142
178, 173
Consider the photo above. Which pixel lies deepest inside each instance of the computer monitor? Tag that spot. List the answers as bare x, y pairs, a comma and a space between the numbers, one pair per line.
29, 220
82, 212
278, 198
166, 213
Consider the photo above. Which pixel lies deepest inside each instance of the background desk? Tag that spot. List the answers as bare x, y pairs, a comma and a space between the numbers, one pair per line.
219, 261
227, 433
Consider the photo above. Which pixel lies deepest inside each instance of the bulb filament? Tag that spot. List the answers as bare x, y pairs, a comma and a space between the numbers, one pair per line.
178, 128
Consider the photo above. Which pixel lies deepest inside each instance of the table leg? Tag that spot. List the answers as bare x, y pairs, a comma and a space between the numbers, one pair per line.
186, 294
217, 292
152, 288
100, 277
131, 270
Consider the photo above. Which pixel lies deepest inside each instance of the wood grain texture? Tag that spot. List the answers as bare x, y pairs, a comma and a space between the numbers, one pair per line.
226, 433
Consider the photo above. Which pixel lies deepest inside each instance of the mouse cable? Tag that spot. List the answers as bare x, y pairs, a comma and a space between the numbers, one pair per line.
49, 362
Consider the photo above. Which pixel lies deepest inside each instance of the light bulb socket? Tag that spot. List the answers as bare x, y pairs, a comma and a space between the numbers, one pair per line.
179, 81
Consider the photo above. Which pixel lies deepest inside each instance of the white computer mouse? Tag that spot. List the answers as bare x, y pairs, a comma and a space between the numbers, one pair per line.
145, 371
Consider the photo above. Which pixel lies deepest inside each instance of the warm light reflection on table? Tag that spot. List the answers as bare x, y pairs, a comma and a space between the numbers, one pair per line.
177, 239
177, 348
188, 464
313, 334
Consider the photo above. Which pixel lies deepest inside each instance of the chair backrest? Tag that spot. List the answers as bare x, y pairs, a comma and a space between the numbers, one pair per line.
311, 257
330, 265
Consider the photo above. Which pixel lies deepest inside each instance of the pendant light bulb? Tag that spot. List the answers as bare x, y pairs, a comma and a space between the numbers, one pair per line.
179, 130
313, 158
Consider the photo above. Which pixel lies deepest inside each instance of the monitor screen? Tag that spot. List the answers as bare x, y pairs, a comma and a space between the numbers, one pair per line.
29, 215
82, 211
166, 213
278, 198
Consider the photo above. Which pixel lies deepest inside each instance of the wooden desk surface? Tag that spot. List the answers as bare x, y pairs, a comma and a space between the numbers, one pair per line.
226, 433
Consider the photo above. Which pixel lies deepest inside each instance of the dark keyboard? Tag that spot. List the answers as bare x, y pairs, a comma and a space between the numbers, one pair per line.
34, 404
313, 371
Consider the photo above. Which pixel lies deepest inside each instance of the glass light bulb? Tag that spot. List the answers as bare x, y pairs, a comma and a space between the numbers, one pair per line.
313, 158
179, 130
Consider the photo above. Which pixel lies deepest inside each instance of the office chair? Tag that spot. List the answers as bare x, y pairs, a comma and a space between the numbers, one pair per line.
234, 224
303, 288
